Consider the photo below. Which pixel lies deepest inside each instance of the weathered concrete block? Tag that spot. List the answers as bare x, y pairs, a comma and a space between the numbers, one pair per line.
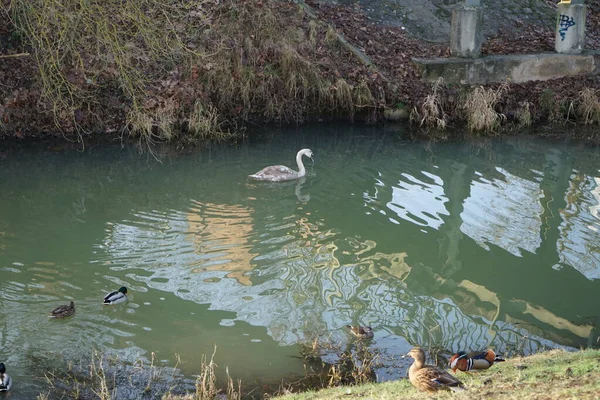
570, 28
509, 68
466, 32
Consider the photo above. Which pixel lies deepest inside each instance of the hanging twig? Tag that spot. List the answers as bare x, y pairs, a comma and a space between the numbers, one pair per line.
14, 55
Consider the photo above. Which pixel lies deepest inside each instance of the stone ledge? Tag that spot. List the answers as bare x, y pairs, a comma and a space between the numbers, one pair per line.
509, 68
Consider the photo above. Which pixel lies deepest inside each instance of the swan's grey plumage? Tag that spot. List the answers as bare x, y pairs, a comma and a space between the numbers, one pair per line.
280, 173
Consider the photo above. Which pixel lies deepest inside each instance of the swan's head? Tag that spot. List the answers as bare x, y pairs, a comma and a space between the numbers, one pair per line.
306, 152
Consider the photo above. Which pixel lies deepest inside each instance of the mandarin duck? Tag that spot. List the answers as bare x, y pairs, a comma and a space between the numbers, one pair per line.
63, 311
473, 360
361, 332
429, 377
116, 297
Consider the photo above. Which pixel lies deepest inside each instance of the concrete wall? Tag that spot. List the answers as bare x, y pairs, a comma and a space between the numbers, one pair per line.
509, 68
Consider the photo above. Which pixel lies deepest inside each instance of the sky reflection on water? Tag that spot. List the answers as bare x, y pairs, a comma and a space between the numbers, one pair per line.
455, 246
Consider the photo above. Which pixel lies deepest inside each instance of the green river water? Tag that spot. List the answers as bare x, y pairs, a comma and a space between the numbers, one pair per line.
455, 245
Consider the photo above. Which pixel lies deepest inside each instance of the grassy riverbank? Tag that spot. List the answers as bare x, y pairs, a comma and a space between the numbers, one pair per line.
160, 70
554, 374
550, 375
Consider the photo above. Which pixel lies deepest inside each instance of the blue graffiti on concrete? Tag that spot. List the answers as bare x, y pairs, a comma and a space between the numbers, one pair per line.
564, 23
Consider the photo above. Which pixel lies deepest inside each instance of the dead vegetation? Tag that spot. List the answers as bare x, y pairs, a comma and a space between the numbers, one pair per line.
206, 384
349, 364
480, 108
205, 69
202, 67
106, 377
523, 114
588, 107
431, 113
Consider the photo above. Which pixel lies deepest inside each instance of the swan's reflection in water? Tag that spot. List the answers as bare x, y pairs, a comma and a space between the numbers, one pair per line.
303, 198
279, 187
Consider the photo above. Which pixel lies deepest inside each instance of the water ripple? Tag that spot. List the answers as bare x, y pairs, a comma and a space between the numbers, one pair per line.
505, 212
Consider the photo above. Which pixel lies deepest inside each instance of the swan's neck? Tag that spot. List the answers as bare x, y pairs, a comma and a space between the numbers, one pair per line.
301, 170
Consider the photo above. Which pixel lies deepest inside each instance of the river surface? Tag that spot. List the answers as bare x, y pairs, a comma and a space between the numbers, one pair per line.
449, 245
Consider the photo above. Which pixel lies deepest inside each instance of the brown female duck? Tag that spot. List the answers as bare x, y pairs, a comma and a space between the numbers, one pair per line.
63, 311
362, 332
429, 377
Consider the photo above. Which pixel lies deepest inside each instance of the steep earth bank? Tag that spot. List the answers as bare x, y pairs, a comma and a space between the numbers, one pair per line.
205, 69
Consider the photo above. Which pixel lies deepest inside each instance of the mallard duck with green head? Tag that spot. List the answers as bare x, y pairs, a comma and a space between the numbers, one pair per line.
63, 311
116, 297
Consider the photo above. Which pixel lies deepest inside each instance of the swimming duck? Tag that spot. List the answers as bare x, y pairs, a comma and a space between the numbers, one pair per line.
279, 173
116, 297
473, 360
362, 332
429, 377
63, 311
5, 380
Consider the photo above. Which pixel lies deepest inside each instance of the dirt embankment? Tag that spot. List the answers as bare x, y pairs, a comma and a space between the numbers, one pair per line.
522, 30
203, 69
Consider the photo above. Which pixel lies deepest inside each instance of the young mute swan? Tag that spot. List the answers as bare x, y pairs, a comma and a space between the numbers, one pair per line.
279, 173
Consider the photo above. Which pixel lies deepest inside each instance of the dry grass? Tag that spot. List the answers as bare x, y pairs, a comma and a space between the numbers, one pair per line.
431, 112
363, 98
480, 108
331, 36
552, 108
588, 106
103, 378
523, 114
354, 365
312, 33
206, 383
79, 46
207, 386
75, 384
267, 69
199, 67
204, 122
343, 96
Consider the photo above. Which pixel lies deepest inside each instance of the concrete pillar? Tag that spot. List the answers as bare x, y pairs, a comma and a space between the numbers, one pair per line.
466, 32
570, 28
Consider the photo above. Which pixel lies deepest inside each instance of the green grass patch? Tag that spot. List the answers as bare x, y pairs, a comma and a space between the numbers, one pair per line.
554, 374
